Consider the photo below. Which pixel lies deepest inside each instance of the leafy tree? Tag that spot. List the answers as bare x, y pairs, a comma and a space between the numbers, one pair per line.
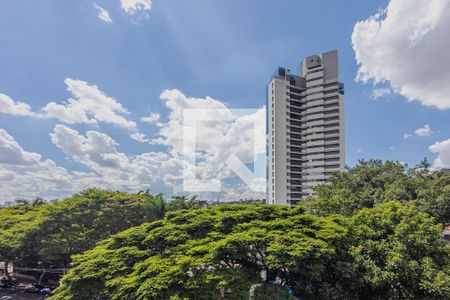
15, 222
203, 254
182, 202
399, 254
270, 292
387, 252
76, 224
33, 234
38, 201
373, 182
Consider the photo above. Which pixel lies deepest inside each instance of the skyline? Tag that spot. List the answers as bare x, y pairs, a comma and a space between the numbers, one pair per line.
91, 92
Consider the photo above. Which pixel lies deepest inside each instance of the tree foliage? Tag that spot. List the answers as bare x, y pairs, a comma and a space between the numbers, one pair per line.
35, 233
373, 182
399, 254
373, 233
199, 254
388, 252
15, 223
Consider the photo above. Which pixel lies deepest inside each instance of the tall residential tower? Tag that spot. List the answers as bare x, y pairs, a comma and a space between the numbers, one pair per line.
305, 115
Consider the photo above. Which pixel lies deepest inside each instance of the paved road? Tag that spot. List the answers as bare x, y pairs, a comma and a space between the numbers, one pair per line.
10, 294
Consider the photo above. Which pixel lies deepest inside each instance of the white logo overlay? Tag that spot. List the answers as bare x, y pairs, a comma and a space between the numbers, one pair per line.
238, 139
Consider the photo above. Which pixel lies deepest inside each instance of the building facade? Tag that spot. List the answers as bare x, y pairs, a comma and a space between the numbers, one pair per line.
305, 119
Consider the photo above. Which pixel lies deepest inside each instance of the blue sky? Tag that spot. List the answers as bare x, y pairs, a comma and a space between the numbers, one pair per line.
226, 50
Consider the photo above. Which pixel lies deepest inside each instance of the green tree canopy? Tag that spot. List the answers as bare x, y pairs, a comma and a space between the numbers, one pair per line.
34, 232
15, 223
372, 182
399, 254
388, 252
199, 254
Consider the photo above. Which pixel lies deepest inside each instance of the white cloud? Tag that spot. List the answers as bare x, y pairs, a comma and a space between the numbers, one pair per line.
15, 108
407, 136
89, 105
152, 118
103, 14
133, 6
140, 137
215, 141
443, 150
378, 93
98, 152
24, 174
407, 45
424, 131
11, 153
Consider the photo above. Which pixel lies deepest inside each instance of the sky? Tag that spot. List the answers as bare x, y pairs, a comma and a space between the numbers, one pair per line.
92, 94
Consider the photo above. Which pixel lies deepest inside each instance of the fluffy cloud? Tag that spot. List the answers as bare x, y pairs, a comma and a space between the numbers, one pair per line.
215, 141
97, 150
443, 150
133, 6
379, 93
12, 154
140, 137
424, 131
153, 117
103, 14
89, 105
99, 153
407, 45
11, 107
26, 174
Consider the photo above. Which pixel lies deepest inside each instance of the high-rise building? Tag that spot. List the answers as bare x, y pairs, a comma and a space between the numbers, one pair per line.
305, 117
